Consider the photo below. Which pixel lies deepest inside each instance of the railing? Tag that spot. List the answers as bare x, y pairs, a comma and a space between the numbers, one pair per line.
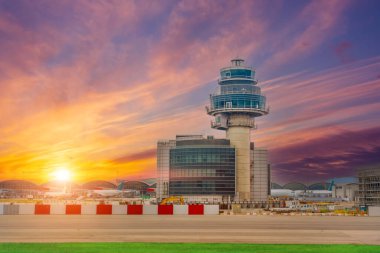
258, 109
216, 124
218, 93
236, 78
249, 123
238, 67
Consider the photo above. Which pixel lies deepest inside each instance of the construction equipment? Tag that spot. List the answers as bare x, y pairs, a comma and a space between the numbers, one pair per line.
173, 200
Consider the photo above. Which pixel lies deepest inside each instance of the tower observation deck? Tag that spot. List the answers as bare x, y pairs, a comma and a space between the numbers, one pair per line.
235, 104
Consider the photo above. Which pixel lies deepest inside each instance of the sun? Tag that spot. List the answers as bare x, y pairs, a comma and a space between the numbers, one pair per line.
62, 174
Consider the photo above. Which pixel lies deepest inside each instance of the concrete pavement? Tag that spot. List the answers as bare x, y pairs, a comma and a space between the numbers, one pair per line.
242, 229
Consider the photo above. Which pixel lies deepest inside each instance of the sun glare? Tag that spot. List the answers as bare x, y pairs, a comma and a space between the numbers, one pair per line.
62, 174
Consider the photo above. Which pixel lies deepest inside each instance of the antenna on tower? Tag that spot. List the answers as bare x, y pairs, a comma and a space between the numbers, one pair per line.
237, 62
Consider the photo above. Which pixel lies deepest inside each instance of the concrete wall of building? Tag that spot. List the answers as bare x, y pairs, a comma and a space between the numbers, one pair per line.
260, 174
163, 164
345, 191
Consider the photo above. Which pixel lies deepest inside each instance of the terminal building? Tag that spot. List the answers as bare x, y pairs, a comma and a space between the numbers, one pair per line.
205, 169
345, 188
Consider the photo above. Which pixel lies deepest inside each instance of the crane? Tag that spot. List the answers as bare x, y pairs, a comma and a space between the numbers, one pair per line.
173, 199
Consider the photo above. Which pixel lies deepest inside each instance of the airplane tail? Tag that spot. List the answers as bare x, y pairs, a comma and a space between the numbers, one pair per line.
331, 185
121, 186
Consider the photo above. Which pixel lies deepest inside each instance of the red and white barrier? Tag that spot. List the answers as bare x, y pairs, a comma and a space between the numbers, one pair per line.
73, 209
106, 209
211, 209
150, 210
135, 209
41, 209
197, 209
165, 209
88, 209
103, 209
25, 209
180, 209
119, 209
57, 209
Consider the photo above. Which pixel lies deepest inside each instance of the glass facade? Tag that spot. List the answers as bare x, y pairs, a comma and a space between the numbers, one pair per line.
197, 170
238, 81
235, 73
252, 101
241, 88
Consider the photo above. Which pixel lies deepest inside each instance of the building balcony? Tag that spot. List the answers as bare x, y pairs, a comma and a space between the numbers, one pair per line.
254, 112
225, 126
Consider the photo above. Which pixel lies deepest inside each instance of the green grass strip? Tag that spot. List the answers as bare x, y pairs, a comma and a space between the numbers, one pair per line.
120, 247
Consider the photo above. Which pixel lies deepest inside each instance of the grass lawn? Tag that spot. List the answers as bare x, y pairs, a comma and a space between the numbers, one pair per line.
181, 248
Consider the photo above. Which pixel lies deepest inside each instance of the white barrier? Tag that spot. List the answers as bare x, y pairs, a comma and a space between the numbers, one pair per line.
88, 209
119, 209
211, 209
180, 209
374, 211
150, 209
11, 209
26, 209
1, 209
57, 209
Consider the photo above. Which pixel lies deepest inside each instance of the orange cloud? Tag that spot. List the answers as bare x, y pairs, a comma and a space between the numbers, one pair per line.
94, 85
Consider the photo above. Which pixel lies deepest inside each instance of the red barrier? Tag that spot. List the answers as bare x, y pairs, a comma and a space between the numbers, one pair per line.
73, 209
165, 209
42, 209
134, 209
104, 209
196, 209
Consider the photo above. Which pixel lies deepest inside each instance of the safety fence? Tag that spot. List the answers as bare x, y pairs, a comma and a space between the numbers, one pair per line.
105, 209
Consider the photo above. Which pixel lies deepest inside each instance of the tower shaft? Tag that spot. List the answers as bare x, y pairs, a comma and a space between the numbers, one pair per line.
239, 137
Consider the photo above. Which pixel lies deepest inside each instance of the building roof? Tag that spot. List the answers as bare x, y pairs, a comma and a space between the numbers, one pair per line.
149, 181
98, 184
343, 180
294, 186
19, 185
315, 186
59, 184
318, 186
275, 186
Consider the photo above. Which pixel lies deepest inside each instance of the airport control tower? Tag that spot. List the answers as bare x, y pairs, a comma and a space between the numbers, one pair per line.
236, 103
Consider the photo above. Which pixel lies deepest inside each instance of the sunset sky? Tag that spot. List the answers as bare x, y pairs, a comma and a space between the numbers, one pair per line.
93, 85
